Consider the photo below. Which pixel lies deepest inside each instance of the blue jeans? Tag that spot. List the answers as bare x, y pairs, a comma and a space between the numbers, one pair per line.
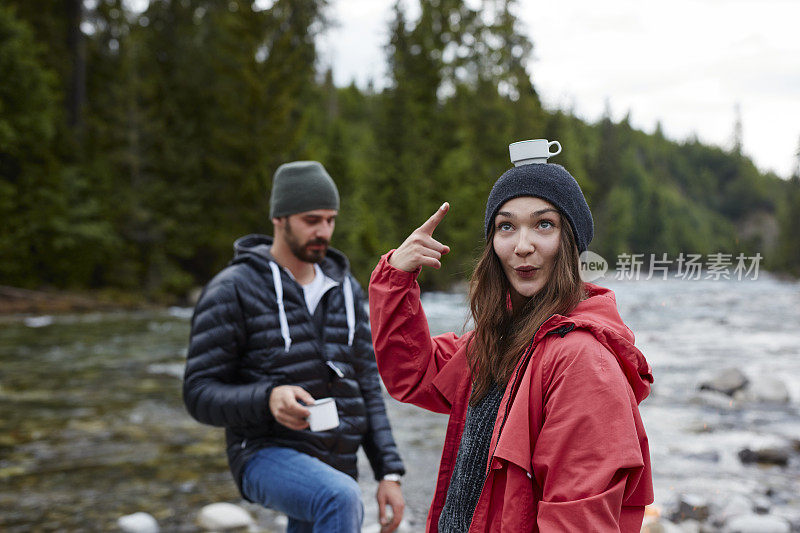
315, 496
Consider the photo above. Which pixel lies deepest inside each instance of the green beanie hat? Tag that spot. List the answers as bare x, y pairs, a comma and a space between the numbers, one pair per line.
301, 186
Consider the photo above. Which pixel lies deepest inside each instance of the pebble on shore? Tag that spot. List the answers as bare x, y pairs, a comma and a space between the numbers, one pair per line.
138, 523
766, 389
770, 456
691, 513
756, 523
691, 507
732, 388
224, 516
727, 382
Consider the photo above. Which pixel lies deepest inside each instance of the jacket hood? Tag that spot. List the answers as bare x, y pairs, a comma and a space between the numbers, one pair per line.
599, 315
255, 249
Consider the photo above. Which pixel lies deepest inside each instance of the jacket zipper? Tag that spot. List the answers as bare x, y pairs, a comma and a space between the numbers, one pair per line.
319, 336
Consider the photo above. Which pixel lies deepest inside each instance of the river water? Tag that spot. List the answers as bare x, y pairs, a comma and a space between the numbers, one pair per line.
93, 426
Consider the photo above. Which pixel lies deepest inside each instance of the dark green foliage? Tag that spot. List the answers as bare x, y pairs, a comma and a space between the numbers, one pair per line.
141, 174
788, 248
50, 234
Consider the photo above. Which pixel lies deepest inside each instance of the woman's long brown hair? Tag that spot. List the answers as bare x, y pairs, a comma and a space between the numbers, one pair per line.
501, 333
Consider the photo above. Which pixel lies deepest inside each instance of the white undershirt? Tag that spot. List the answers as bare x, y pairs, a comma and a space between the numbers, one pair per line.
316, 288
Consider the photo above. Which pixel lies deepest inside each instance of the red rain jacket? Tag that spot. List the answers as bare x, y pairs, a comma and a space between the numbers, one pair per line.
568, 451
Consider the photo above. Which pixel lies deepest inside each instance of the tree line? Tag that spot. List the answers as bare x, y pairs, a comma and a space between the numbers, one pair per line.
135, 146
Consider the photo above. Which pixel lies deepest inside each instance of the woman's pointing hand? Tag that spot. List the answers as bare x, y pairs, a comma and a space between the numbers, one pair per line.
420, 248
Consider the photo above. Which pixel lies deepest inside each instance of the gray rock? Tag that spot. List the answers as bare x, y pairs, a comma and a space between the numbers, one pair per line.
38, 321
714, 399
184, 313
762, 505
175, 370
790, 513
702, 426
755, 523
711, 456
768, 455
691, 507
138, 523
735, 505
727, 382
767, 389
780, 496
187, 486
224, 516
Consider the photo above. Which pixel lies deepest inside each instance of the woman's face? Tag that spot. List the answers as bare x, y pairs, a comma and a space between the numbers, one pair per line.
527, 234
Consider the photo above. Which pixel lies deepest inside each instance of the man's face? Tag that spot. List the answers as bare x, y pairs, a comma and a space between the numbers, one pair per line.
307, 234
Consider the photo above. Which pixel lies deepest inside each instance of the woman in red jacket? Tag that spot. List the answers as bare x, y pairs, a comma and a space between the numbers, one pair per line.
544, 431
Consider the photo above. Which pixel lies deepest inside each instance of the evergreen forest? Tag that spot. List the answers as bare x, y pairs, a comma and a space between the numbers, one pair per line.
136, 146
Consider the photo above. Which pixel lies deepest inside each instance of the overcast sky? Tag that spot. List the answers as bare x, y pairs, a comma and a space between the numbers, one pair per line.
687, 63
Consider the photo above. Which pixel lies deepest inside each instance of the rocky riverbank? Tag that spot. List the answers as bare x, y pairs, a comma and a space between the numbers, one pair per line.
15, 301
94, 428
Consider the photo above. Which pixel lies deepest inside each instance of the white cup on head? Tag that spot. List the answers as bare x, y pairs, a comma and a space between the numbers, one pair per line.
323, 414
532, 151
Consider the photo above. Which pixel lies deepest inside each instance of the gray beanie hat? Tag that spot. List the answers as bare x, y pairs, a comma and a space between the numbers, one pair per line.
549, 182
301, 186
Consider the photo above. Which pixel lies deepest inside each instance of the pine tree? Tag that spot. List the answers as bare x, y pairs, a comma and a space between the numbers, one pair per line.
223, 95
788, 249
606, 168
32, 205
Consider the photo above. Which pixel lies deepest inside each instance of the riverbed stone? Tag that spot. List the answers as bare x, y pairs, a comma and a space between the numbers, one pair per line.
138, 523
710, 456
224, 516
762, 505
734, 505
790, 513
771, 455
715, 399
690, 526
728, 381
38, 321
766, 389
756, 523
691, 507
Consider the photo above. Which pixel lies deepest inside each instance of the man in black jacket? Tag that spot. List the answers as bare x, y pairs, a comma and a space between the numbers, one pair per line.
281, 326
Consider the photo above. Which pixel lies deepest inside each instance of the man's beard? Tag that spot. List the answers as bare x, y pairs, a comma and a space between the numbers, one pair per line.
302, 251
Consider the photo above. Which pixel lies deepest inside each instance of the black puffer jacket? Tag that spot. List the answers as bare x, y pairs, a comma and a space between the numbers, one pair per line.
244, 343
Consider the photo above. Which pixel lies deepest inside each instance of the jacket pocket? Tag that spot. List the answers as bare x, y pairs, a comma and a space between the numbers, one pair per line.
512, 501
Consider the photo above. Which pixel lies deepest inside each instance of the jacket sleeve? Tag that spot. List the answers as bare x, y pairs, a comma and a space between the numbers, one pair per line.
210, 389
587, 457
408, 357
378, 442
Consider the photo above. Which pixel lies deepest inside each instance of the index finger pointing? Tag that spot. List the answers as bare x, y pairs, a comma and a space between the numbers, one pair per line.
430, 225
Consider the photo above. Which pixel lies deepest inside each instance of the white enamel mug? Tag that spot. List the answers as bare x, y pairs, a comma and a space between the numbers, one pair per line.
532, 151
323, 414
